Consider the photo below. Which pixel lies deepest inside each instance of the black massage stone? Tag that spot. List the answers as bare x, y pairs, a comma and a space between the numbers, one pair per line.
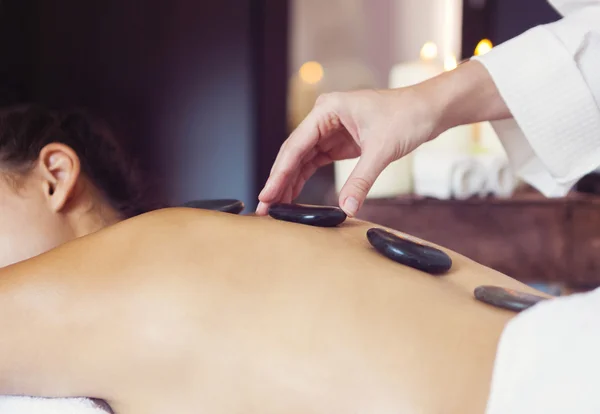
409, 253
320, 216
506, 298
226, 206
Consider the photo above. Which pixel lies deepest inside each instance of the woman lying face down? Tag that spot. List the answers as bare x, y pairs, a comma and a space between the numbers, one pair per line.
187, 311
62, 176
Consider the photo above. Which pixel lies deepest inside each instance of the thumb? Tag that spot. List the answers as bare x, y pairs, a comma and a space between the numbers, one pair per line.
354, 192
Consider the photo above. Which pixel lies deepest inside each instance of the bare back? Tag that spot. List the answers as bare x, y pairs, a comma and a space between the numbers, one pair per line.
188, 311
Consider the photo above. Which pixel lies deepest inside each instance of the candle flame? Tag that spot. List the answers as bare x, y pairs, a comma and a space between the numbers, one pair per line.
311, 72
429, 51
450, 63
484, 46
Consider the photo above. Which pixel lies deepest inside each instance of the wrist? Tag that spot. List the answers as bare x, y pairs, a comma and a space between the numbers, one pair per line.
464, 95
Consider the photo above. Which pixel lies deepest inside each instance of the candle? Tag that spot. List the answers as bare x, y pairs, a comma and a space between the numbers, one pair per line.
411, 73
488, 139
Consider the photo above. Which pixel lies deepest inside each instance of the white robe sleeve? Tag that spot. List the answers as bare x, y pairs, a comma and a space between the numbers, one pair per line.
548, 358
549, 78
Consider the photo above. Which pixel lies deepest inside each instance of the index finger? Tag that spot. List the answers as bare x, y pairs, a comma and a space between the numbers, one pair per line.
294, 149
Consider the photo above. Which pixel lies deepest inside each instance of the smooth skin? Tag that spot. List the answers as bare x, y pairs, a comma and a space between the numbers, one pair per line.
183, 311
187, 311
380, 127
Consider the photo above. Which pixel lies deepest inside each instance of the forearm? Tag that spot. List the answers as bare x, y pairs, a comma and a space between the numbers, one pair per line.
541, 91
465, 95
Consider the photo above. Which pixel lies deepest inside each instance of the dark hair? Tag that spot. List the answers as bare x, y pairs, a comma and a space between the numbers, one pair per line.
26, 130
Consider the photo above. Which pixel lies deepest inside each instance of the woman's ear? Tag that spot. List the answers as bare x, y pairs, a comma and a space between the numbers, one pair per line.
60, 169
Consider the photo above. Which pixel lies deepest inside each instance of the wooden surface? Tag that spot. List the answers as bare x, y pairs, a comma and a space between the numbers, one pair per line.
528, 237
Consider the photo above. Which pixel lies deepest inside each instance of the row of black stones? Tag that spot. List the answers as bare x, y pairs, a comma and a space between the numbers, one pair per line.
406, 252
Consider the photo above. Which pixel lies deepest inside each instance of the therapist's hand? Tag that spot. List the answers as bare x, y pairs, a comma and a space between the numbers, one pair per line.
378, 126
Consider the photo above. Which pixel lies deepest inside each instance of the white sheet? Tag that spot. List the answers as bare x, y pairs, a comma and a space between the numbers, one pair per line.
31, 405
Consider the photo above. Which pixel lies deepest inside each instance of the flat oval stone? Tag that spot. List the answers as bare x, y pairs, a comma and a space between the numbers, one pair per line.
226, 206
320, 216
406, 252
506, 298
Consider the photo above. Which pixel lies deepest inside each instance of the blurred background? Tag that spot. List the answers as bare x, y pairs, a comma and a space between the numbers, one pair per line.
203, 93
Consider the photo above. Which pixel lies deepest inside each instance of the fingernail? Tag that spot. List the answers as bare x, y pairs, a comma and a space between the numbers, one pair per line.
350, 206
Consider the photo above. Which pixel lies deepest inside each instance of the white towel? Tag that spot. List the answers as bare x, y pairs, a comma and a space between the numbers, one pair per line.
500, 179
468, 178
33, 405
447, 174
